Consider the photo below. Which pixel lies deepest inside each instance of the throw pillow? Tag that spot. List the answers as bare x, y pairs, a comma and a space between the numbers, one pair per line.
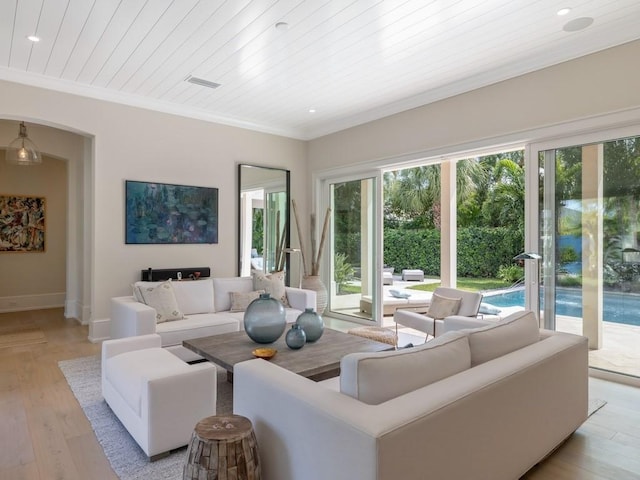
399, 294
273, 284
441, 307
488, 309
136, 289
376, 377
513, 333
241, 300
163, 300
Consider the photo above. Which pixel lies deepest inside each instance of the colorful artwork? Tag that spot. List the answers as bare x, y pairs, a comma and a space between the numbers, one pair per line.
21, 223
165, 213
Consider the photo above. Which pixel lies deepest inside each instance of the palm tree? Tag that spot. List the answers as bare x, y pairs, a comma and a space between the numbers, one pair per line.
414, 193
505, 202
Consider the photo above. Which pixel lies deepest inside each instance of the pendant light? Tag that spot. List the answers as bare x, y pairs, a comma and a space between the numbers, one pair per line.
22, 151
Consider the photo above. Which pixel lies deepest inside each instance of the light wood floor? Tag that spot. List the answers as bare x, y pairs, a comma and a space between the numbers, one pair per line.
45, 435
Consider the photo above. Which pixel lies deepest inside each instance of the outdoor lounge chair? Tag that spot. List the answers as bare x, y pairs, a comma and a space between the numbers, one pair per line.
468, 310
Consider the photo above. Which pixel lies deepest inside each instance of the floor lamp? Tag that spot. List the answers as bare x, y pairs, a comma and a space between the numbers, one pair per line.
524, 256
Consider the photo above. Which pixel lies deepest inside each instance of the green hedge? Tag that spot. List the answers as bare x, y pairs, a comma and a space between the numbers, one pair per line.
481, 250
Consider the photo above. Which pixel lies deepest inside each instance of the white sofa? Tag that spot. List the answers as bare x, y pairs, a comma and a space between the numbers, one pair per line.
157, 397
495, 418
206, 305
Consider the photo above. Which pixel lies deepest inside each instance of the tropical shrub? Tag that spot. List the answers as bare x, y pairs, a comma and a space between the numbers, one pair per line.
510, 273
343, 271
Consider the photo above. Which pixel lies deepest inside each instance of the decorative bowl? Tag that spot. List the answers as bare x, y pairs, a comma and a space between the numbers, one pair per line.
265, 353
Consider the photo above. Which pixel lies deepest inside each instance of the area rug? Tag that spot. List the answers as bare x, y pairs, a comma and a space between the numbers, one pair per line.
20, 338
127, 459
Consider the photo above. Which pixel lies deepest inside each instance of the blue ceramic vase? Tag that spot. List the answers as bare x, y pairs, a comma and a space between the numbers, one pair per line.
295, 337
311, 323
264, 319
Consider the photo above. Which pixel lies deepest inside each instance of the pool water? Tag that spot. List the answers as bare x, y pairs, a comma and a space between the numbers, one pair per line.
618, 307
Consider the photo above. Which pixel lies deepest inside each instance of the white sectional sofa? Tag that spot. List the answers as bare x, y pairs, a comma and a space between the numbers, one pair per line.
486, 403
206, 307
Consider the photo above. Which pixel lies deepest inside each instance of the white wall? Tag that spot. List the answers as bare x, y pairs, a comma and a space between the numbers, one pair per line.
136, 144
603, 82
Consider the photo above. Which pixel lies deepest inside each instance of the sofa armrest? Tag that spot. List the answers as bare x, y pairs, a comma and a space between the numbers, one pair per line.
302, 416
111, 348
176, 403
130, 318
415, 320
299, 298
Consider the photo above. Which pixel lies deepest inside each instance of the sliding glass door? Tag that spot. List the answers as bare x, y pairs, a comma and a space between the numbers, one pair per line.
354, 248
589, 239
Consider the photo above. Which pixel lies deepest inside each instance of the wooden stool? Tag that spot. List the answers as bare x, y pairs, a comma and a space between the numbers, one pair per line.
223, 448
379, 334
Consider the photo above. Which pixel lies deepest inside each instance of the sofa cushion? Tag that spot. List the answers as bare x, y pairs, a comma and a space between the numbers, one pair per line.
222, 288
241, 300
194, 296
162, 299
514, 332
376, 377
273, 284
441, 307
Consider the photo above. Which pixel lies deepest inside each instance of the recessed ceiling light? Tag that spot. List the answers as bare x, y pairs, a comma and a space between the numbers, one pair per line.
577, 24
33, 38
563, 11
312, 110
282, 26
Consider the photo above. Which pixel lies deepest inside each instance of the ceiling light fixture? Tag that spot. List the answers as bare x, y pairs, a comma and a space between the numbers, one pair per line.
22, 151
33, 38
282, 26
312, 110
563, 11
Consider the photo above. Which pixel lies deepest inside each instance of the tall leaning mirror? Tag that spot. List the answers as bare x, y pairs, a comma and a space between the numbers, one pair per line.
263, 219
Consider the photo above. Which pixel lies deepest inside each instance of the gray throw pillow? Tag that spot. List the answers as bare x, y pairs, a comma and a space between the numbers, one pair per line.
441, 307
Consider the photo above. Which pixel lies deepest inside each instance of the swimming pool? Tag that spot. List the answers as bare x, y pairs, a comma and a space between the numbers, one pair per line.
618, 307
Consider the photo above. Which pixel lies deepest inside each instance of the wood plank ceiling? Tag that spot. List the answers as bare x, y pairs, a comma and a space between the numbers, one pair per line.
351, 61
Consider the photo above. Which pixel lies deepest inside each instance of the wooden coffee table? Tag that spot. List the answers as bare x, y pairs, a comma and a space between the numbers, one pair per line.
318, 361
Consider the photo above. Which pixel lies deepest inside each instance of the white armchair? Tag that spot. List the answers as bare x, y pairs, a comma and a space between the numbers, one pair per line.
467, 314
155, 395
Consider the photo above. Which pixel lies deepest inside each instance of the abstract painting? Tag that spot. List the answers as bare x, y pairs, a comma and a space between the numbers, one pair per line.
22, 227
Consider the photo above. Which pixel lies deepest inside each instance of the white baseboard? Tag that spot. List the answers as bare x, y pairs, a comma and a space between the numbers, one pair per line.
100, 330
72, 309
32, 302
614, 377
75, 309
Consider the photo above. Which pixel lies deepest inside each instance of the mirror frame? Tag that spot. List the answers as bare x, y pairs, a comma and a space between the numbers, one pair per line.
287, 215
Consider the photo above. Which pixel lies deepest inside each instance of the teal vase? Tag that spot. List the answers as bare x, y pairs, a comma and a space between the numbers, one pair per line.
264, 319
312, 324
295, 337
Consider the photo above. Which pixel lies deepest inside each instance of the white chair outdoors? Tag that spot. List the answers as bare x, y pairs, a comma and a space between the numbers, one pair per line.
467, 313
